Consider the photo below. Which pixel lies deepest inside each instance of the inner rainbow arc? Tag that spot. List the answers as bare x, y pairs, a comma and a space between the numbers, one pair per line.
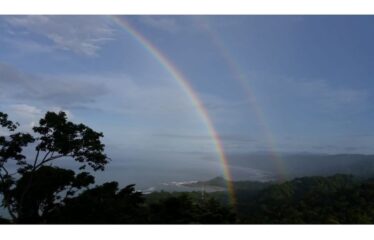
187, 88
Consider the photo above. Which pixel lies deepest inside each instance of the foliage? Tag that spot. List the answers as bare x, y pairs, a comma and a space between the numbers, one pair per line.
102, 204
107, 204
183, 208
336, 199
4, 220
33, 188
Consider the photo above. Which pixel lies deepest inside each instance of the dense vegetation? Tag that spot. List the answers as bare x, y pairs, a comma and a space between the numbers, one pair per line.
309, 200
335, 199
41, 192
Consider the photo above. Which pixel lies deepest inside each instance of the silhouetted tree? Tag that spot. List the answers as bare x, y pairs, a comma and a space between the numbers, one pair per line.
34, 189
50, 187
102, 204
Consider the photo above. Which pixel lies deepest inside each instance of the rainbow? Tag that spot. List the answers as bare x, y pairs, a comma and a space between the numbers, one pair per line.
236, 71
187, 88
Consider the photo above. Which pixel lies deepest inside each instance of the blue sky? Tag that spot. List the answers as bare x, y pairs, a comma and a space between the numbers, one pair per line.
311, 76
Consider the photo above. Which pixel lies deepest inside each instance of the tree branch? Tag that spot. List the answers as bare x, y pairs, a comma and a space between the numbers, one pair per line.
5, 195
46, 155
35, 166
36, 159
14, 217
4, 168
51, 159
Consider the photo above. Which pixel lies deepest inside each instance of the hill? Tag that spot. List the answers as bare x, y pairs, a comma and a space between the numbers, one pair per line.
292, 165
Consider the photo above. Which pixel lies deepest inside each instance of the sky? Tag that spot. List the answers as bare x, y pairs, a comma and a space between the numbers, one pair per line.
268, 83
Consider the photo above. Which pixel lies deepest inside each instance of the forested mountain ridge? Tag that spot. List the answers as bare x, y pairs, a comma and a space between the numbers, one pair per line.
340, 198
312, 200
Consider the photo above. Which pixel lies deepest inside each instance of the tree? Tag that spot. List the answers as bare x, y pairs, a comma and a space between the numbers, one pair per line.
33, 189
102, 205
183, 208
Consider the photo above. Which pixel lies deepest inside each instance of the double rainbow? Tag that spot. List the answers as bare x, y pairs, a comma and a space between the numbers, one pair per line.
187, 88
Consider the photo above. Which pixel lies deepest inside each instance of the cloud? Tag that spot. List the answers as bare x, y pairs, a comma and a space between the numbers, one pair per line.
225, 138
10, 75
330, 96
142, 97
195, 24
231, 142
143, 106
27, 46
163, 23
69, 115
82, 35
338, 149
285, 94
27, 111
54, 90
27, 115
161, 103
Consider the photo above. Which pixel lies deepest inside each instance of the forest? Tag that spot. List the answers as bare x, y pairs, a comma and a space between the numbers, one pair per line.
39, 191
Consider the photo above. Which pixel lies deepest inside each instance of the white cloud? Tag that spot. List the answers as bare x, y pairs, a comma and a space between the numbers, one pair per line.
83, 35
25, 110
26, 115
69, 115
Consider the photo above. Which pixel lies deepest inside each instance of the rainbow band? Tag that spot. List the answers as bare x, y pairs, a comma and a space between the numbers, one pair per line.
236, 71
187, 88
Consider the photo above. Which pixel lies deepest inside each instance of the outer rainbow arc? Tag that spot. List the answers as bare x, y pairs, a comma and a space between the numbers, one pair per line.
237, 72
187, 88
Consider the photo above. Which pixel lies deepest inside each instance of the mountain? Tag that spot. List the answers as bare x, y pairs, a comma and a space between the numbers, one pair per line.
291, 165
335, 199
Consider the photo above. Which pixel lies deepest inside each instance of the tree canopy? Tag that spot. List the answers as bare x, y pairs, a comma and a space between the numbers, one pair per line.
33, 188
